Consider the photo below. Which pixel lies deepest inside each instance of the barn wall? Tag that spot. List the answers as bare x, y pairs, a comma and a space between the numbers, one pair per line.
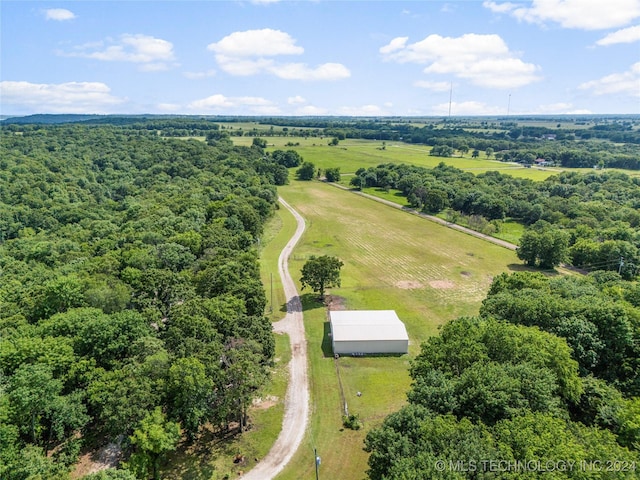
380, 346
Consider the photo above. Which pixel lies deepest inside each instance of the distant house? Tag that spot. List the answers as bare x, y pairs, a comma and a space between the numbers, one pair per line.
361, 332
540, 162
549, 136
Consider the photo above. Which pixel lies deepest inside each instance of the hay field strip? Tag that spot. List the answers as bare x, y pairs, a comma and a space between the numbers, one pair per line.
426, 272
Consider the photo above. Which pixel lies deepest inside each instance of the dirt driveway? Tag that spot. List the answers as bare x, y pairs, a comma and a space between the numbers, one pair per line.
296, 405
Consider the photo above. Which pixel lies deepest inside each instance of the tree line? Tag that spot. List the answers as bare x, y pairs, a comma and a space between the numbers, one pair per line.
589, 220
131, 304
546, 374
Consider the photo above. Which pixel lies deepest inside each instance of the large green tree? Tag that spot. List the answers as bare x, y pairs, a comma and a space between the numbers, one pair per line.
320, 273
544, 245
153, 437
307, 171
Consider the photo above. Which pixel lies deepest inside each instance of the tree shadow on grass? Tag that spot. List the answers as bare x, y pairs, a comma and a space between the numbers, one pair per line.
309, 301
521, 267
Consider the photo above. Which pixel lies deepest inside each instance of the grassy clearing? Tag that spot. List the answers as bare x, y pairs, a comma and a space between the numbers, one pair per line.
427, 273
510, 231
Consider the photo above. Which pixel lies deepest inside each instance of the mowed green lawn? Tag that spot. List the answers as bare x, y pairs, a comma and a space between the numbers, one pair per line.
392, 260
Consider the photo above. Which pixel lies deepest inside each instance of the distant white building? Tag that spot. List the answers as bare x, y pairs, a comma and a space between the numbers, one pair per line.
367, 331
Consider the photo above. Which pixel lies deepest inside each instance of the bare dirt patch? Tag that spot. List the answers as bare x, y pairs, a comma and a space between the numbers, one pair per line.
92, 462
335, 302
409, 284
264, 403
442, 284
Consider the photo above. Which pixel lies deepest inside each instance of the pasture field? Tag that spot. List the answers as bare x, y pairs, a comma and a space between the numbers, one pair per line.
510, 230
428, 273
352, 154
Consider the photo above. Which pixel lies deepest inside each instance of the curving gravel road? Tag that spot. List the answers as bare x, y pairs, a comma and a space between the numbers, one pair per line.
296, 404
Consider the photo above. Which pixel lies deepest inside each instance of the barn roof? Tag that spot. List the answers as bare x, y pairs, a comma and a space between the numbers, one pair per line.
364, 325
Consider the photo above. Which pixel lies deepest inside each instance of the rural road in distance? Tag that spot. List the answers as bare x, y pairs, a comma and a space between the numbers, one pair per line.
296, 404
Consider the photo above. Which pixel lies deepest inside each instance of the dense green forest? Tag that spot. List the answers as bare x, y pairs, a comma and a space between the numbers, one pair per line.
592, 220
543, 384
565, 141
131, 307
130, 299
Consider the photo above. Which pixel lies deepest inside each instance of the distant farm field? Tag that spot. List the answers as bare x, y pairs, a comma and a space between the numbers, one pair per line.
428, 273
350, 155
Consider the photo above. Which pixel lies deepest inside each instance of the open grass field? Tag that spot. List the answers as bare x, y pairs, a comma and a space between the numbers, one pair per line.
392, 260
350, 155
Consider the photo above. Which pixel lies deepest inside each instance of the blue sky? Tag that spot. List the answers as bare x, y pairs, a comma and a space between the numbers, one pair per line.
321, 57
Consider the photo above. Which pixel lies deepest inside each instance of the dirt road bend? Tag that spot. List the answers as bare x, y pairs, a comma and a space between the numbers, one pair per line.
296, 404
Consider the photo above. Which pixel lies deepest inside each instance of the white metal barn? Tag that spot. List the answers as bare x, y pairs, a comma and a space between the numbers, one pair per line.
367, 331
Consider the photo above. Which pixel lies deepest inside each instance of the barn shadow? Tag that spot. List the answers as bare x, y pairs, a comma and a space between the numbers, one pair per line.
327, 350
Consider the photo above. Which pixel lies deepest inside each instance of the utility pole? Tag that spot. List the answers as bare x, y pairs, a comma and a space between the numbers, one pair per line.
317, 460
620, 265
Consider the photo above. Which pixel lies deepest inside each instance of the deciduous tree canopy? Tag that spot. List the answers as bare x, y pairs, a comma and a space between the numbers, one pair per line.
130, 288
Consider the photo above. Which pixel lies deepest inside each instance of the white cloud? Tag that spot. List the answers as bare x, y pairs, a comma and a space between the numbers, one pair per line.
484, 60
625, 83
560, 108
467, 108
169, 107
311, 110
221, 102
448, 8
581, 14
363, 111
242, 66
251, 53
433, 86
398, 43
297, 100
59, 14
300, 71
626, 35
504, 7
71, 97
264, 2
153, 53
199, 75
256, 43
